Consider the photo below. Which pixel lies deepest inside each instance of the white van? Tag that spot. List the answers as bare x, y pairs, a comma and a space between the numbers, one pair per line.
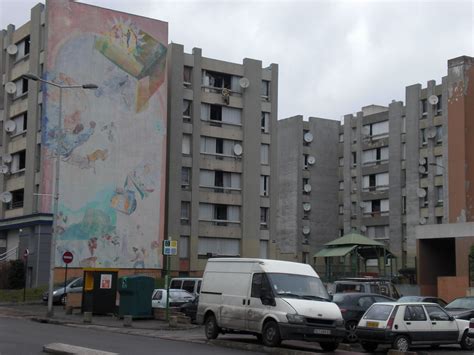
274, 300
190, 284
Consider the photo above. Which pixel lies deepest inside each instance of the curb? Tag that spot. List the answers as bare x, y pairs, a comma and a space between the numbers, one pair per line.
28, 303
258, 348
66, 349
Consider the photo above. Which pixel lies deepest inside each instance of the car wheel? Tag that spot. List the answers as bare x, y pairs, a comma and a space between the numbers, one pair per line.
63, 299
351, 327
369, 347
210, 327
401, 343
466, 342
271, 334
329, 346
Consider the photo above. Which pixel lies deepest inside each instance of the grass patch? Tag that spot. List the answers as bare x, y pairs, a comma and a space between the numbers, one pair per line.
32, 294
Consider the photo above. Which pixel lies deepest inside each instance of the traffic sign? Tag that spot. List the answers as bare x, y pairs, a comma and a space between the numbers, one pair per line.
26, 253
170, 247
68, 257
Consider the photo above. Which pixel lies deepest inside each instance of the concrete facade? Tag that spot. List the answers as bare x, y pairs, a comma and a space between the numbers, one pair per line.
308, 181
222, 158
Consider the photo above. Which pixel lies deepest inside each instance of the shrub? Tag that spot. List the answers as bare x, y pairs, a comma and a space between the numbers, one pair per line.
16, 274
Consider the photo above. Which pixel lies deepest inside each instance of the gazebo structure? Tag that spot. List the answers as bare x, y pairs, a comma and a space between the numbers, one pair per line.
343, 257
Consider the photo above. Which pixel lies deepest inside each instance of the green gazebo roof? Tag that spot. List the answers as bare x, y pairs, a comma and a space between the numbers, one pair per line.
354, 239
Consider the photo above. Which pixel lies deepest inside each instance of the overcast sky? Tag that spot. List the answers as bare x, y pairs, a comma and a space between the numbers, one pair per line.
334, 56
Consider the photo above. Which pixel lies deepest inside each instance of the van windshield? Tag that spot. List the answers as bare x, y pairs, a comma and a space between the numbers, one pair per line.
298, 286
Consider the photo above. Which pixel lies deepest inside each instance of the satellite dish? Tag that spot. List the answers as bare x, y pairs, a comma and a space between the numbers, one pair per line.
10, 126
433, 99
422, 220
7, 158
421, 192
238, 149
12, 49
422, 169
3, 169
363, 228
10, 87
307, 188
311, 160
365, 130
244, 83
308, 137
6, 197
306, 230
431, 133
422, 161
307, 206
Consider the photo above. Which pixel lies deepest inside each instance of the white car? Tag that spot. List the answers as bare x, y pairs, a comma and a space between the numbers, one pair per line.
470, 333
411, 323
177, 298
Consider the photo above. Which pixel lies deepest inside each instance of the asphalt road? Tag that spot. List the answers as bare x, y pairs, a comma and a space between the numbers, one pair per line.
24, 337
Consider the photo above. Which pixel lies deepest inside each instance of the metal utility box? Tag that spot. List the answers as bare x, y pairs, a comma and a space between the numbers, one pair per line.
99, 293
135, 296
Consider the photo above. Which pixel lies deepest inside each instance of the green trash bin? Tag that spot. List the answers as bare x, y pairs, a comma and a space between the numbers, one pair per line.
135, 296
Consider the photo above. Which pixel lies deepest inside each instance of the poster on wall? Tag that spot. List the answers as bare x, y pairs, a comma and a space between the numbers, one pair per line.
106, 281
111, 143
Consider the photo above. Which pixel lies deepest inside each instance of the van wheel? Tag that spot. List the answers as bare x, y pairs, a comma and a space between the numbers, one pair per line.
369, 347
466, 342
351, 336
401, 343
271, 334
329, 346
210, 327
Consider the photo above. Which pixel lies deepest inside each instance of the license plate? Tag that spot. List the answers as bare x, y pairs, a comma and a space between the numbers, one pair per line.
322, 331
373, 324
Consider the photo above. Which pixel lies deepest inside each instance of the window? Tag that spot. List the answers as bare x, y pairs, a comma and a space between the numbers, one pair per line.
436, 313
187, 110
185, 212
341, 209
220, 214
404, 204
264, 217
185, 177
264, 151
216, 114
341, 161
414, 313
378, 129
424, 200
404, 151
378, 232
17, 199
186, 145
354, 135
423, 137
439, 134
375, 156
20, 123
183, 247
341, 185
23, 48
187, 75
375, 182
217, 146
263, 249
424, 107
439, 194
218, 246
216, 80
439, 165
305, 161
260, 285
439, 105
21, 87
341, 138
265, 122
354, 158
221, 179
265, 93
18, 162
404, 124
264, 185
439, 220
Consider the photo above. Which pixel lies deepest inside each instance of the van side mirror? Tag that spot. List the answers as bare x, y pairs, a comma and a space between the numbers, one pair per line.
451, 318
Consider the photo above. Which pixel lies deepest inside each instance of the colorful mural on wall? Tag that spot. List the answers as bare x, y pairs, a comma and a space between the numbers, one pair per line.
112, 143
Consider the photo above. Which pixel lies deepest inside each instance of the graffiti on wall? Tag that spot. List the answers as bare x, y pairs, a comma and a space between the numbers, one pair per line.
111, 143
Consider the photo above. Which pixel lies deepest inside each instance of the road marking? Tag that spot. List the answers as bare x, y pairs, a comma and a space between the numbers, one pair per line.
66, 349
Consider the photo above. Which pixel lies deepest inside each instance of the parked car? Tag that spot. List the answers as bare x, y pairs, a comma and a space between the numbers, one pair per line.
190, 284
73, 285
353, 306
367, 285
461, 308
177, 298
189, 309
274, 300
429, 299
406, 324
470, 333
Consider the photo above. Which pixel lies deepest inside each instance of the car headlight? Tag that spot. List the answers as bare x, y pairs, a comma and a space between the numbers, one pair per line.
55, 292
339, 322
295, 318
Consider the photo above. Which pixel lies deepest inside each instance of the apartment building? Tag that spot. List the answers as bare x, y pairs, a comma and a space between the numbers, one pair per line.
222, 158
307, 180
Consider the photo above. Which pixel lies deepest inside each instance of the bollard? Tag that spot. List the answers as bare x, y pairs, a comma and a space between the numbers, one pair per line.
127, 321
69, 309
173, 321
87, 317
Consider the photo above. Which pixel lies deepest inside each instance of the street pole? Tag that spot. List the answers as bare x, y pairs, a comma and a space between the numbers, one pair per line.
52, 258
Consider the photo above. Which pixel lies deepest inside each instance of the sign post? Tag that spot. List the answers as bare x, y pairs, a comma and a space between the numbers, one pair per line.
25, 255
67, 258
170, 247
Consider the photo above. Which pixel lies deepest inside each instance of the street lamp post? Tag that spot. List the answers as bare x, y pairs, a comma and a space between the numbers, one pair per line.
33, 77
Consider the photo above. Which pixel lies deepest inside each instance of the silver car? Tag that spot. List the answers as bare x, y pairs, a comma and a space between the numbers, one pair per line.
73, 285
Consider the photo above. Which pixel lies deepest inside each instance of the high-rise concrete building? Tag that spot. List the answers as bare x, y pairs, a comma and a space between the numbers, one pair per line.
222, 158
162, 122
307, 179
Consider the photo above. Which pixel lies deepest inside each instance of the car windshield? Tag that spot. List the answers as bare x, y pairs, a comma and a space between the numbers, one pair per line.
467, 303
61, 283
298, 286
378, 312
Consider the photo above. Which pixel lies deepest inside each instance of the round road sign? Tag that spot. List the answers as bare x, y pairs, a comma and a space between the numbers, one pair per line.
67, 257
26, 253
